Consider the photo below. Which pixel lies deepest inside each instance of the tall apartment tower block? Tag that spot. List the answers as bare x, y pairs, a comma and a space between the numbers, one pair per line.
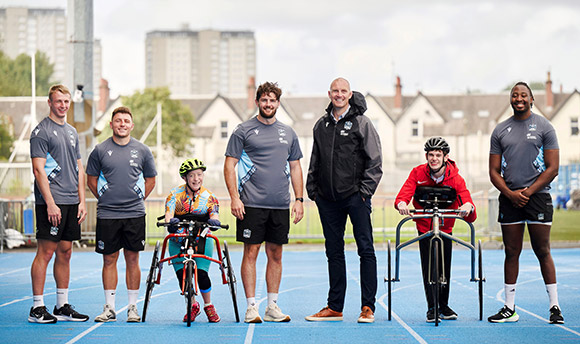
200, 62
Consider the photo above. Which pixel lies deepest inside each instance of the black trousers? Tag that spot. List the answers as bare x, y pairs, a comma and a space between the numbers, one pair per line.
443, 265
333, 215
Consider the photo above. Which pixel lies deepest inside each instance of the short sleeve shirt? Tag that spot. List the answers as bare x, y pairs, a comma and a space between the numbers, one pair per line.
121, 172
202, 203
521, 144
59, 145
263, 152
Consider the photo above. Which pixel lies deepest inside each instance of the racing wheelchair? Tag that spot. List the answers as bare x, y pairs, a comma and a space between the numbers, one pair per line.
434, 200
194, 237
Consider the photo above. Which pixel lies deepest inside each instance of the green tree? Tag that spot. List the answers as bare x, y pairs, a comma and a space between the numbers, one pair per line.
177, 119
16, 75
6, 139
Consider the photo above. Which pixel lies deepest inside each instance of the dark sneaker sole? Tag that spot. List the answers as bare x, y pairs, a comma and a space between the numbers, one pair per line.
561, 322
450, 317
108, 320
511, 319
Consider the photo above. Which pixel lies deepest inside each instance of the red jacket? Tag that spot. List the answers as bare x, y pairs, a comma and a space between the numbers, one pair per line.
420, 175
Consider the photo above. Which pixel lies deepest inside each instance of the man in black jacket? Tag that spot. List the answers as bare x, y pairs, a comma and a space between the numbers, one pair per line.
345, 169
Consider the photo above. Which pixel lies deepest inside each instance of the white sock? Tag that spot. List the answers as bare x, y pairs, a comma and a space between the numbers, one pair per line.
251, 301
510, 295
110, 297
552, 290
272, 298
133, 295
38, 300
61, 297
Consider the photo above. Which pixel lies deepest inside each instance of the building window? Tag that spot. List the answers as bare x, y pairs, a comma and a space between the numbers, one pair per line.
415, 128
574, 126
224, 129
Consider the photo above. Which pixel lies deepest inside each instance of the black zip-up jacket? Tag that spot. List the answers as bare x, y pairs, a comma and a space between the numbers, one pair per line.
346, 156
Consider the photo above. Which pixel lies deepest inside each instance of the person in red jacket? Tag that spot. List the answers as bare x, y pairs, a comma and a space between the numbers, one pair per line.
438, 171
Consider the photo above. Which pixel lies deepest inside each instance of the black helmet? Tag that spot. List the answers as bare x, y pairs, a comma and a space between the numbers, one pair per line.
190, 165
437, 143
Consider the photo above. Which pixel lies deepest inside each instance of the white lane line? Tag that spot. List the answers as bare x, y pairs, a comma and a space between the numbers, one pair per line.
53, 293
261, 282
96, 326
498, 297
401, 322
13, 271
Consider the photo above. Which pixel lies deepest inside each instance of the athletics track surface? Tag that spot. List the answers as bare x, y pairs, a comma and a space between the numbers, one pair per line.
303, 292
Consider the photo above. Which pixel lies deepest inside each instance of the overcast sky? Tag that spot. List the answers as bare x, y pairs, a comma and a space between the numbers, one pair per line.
446, 46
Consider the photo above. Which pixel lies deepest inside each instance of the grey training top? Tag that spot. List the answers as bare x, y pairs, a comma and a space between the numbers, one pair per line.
263, 152
521, 144
122, 171
59, 145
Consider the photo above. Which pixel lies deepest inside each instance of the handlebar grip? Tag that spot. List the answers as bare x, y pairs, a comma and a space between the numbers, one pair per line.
162, 224
225, 226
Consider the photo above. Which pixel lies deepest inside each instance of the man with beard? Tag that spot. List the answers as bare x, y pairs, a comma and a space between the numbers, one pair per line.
269, 155
121, 174
523, 160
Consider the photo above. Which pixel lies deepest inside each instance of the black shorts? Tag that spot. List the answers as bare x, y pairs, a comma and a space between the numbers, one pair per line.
539, 210
69, 228
261, 224
114, 234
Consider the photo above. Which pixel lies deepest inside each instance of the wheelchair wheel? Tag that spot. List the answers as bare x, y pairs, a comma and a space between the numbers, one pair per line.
435, 278
189, 289
389, 279
151, 280
480, 280
231, 279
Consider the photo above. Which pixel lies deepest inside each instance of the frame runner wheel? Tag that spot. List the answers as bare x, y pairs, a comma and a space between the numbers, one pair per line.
151, 280
480, 280
188, 289
435, 278
231, 279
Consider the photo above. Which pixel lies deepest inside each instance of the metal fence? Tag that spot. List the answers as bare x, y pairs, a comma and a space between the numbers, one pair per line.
18, 214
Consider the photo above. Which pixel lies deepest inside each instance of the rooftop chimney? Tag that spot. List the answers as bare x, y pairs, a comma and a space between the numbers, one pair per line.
549, 94
103, 96
251, 88
398, 94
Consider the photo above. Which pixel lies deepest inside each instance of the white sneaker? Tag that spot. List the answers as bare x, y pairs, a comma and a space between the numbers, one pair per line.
132, 314
252, 315
273, 313
107, 315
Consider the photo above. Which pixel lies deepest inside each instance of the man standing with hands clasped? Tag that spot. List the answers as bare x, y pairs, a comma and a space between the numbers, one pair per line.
345, 170
121, 174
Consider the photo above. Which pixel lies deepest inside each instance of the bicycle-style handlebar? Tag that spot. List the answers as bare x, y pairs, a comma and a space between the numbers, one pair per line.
194, 224
430, 211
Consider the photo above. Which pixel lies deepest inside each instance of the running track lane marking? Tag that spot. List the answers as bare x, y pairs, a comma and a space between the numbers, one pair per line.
96, 326
401, 322
13, 271
261, 281
52, 293
499, 298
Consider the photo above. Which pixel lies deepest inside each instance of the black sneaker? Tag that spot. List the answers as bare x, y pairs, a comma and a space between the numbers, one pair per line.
556, 315
431, 315
447, 313
40, 315
504, 315
67, 313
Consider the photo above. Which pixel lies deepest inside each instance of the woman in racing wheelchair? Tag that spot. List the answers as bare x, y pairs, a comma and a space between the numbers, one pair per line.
192, 201
438, 171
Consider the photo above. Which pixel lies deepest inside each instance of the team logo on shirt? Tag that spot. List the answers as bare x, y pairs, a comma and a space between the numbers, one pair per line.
134, 154
283, 141
256, 131
281, 132
509, 129
110, 152
133, 163
247, 233
71, 137
347, 125
532, 127
55, 133
53, 231
101, 245
530, 136
36, 131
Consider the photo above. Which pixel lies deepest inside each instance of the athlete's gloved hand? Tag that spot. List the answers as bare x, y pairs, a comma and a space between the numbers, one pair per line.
172, 228
214, 222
